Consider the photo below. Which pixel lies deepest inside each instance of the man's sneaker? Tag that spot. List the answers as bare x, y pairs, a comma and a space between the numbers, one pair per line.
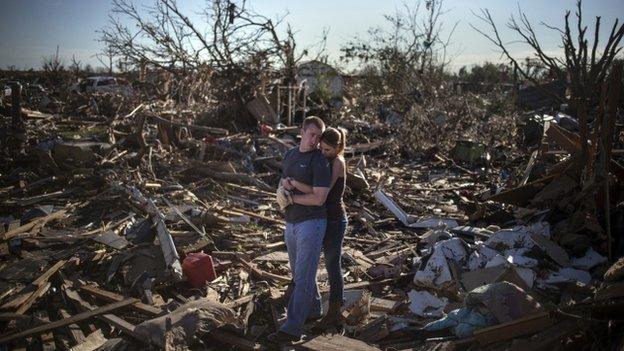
280, 337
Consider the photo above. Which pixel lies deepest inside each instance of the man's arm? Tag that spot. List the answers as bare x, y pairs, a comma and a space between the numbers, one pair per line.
316, 198
303, 187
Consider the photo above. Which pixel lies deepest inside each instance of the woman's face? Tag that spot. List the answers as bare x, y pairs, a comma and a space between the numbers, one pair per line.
328, 151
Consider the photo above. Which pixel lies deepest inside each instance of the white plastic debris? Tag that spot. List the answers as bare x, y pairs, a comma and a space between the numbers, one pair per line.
453, 249
437, 272
590, 260
480, 257
565, 275
409, 220
435, 235
496, 261
516, 256
425, 304
527, 275
518, 237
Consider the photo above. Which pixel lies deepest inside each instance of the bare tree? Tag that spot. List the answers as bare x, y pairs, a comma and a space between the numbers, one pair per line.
412, 49
76, 66
234, 41
107, 57
582, 64
52, 63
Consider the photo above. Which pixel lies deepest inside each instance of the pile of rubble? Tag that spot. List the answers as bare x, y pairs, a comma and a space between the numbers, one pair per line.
127, 227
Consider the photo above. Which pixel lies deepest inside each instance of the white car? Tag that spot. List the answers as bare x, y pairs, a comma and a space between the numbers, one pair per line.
102, 84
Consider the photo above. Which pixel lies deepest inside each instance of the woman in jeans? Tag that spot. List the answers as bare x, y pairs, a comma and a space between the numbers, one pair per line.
332, 144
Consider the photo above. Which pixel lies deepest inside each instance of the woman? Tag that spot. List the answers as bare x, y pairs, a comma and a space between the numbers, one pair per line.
332, 144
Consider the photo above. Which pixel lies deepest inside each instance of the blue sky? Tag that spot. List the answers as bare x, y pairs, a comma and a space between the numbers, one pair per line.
31, 29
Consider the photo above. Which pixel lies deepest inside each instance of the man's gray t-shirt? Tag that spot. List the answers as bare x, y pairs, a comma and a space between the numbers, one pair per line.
309, 167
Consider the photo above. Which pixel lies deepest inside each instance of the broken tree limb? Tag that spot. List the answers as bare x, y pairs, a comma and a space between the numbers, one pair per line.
65, 322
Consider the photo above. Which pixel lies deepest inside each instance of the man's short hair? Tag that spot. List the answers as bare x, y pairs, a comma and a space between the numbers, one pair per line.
317, 121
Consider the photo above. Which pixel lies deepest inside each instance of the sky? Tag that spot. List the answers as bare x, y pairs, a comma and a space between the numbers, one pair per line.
31, 29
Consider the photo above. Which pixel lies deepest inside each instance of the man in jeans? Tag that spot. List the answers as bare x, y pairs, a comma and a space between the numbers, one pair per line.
306, 220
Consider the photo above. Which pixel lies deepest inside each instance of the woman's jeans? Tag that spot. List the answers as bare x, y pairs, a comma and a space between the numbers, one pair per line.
332, 248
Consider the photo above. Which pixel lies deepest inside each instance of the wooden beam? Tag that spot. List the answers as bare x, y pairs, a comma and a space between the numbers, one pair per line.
238, 212
112, 297
65, 322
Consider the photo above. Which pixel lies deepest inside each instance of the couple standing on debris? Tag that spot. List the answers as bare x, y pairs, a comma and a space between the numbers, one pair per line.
311, 189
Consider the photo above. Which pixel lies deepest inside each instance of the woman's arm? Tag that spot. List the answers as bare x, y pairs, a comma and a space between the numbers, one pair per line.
338, 170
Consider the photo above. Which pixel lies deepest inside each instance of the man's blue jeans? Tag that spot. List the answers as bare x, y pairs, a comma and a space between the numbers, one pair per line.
303, 242
332, 248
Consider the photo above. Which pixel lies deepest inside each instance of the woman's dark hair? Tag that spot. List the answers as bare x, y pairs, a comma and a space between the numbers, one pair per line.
335, 137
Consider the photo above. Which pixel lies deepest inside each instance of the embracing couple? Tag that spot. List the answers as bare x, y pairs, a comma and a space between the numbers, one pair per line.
310, 192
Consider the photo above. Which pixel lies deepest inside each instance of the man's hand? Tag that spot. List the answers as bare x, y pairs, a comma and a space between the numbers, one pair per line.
283, 198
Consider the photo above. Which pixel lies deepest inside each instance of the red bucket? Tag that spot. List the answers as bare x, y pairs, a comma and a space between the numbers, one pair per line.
198, 269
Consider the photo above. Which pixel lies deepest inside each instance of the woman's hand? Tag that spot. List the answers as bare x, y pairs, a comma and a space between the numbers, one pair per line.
289, 183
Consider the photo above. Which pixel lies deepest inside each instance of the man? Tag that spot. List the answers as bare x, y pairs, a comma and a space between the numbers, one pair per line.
306, 220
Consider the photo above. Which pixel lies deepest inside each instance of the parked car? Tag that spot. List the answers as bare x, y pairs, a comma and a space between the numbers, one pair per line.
102, 84
5, 90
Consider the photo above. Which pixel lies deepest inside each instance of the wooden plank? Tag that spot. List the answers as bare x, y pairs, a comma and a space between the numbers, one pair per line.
568, 141
235, 340
240, 301
365, 284
112, 319
28, 292
522, 194
41, 290
112, 297
45, 276
186, 220
548, 339
32, 224
262, 274
65, 322
122, 325
20, 297
383, 305
335, 342
75, 332
510, 330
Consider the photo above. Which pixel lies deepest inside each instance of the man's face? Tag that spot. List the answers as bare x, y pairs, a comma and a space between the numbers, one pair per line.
310, 136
